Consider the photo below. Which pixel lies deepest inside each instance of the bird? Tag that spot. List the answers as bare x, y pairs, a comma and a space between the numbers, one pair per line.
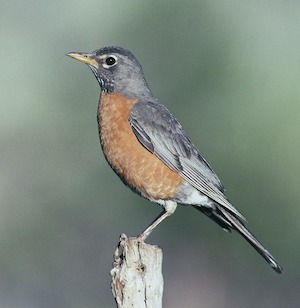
149, 150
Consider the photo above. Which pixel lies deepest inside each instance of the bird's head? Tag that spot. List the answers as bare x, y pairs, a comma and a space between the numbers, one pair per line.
116, 69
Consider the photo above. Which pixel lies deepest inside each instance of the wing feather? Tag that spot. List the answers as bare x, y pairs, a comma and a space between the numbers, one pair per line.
160, 133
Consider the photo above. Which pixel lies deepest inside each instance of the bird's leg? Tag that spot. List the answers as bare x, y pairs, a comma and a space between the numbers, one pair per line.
169, 209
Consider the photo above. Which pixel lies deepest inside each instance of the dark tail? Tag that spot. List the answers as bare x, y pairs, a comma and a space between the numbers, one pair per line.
228, 221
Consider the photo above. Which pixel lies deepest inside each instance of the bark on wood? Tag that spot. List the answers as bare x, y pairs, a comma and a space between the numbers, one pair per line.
137, 279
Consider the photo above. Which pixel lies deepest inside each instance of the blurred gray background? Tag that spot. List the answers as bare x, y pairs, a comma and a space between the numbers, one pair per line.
228, 70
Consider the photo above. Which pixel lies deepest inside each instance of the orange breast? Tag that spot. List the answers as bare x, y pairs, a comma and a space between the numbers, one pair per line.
141, 169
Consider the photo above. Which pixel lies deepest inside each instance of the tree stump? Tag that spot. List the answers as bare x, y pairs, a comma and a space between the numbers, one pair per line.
137, 279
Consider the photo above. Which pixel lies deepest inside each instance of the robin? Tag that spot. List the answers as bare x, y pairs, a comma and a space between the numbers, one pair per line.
149, 150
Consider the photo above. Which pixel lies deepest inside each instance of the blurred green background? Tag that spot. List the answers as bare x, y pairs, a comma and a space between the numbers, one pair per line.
228, 70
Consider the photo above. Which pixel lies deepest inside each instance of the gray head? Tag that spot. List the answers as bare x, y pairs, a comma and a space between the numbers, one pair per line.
117, 71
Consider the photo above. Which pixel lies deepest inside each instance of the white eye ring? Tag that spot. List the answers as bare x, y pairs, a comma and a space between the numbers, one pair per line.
110, 61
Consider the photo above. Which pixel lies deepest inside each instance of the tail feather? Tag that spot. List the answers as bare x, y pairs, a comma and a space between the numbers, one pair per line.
216, 217
240, 227
229, 221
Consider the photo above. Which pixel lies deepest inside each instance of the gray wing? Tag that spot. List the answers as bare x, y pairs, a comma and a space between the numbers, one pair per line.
159, 132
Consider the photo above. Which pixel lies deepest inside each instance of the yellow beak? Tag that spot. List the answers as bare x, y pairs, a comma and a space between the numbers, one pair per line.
87, 58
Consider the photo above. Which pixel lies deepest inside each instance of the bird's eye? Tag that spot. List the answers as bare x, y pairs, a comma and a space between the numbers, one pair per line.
110, 61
